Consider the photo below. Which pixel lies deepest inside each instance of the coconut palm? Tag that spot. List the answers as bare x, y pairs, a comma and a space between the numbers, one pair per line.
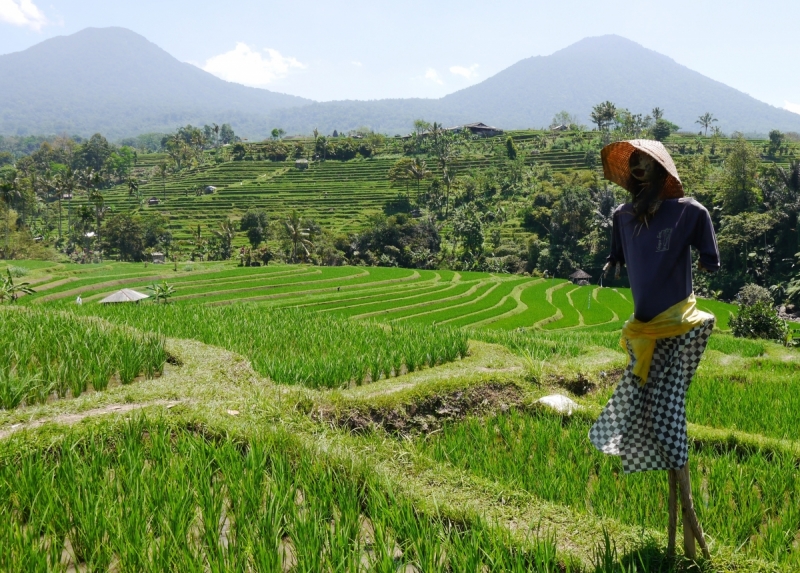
162, 171
298, 235
10, 189
66, 182
658, 113
418, 169
9, 290
705, 121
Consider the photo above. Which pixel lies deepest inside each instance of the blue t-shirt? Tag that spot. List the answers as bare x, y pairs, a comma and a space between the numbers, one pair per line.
657, 254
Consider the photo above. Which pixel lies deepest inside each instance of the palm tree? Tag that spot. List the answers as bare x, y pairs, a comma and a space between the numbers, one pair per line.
297, 235
66, 183
658, 113
215, 129
418, 169
705, 121
133, 189
162, 171
603, 114
10, 190
9, 290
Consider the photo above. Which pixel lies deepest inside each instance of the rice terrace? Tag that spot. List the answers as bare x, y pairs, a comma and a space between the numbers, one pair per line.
263, 413
557, 329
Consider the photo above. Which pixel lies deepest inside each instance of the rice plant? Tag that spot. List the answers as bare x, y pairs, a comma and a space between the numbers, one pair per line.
48, 353
155, 498
745, 500
295, 346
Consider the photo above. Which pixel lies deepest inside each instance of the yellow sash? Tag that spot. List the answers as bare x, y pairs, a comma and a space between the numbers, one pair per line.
675, 321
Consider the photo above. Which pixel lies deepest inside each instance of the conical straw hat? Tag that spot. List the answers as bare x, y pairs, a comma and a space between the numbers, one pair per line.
617, 169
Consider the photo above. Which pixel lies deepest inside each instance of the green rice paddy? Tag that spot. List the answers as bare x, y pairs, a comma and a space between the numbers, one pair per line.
364, 419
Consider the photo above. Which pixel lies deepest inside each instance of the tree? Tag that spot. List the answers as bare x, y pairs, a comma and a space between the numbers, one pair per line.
156, 231
776, 139
123, 233
739, 191
400, 172
256, 224
162, 171
564, 118
603, 114
10, 190
278, 133
421, 126
705, 121
222, 241
226, 134
657, 113
9, 291
418, 169
662, 129
511, 148
297, 234
468, 228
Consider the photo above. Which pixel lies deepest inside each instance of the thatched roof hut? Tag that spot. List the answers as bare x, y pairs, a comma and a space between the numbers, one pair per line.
124, 295
580, 275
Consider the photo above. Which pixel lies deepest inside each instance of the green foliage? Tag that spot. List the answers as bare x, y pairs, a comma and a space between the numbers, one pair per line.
751, 294
47, 353
759, 320
123, 234
548, 456
293, 346
511, 148
662, 129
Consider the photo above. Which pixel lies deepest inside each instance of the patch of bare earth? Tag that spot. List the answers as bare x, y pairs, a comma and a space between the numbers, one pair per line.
69, 419
426, 414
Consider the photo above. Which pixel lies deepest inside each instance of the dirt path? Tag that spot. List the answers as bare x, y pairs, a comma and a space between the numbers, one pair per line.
69, 419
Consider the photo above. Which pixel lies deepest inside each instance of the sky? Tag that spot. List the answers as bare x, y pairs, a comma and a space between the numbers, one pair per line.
373, 49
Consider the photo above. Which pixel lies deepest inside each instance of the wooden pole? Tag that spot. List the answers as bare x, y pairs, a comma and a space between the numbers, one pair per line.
691, 526
673, 511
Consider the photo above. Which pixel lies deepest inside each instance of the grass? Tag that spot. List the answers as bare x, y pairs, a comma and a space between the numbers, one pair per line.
152, 497
295, 346
751, 502
48, 354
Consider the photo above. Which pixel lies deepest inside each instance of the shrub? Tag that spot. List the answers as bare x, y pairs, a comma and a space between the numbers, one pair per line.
751, 294
758, 320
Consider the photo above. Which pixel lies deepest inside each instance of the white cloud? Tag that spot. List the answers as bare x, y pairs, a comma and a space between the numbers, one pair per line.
357, 64
468, 73
433, 75
794, 107
244, 65
22, 13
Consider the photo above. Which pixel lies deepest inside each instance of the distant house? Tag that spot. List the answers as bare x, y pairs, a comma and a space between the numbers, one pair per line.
560, 127
153, 201
301, 164
479, 129
158, 258
209, 189
580, 277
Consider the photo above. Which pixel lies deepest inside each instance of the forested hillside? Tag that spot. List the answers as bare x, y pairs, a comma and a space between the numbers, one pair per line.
522, 202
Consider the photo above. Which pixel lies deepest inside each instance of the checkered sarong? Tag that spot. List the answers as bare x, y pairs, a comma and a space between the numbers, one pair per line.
646, 425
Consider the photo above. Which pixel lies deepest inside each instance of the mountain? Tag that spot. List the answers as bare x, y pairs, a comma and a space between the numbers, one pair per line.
530, 92
114, 81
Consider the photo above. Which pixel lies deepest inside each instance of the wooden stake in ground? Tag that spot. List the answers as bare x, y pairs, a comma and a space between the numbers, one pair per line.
679, 480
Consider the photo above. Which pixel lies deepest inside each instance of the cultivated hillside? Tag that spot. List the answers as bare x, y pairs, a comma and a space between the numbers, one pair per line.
114, 81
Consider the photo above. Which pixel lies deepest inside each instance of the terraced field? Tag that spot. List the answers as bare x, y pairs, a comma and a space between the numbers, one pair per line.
342, 421
471, 300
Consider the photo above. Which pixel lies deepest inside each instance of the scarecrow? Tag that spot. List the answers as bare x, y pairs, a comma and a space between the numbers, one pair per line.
644, 422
